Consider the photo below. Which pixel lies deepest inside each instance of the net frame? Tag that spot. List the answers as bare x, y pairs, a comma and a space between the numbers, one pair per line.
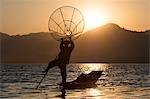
72, 29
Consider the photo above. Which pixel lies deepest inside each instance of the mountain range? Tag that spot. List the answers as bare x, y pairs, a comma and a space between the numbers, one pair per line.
108, 43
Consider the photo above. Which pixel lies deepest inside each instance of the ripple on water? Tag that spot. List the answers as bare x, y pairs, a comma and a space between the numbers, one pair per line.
118, 81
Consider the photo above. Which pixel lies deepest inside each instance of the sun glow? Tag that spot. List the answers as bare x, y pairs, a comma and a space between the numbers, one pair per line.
93, 19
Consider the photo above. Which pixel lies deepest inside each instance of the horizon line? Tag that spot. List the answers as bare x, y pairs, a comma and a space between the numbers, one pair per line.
138, 31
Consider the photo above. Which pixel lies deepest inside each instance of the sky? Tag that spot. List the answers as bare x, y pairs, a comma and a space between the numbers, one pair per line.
30, 16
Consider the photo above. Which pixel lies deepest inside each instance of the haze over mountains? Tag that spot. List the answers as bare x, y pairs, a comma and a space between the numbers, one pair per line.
108, 43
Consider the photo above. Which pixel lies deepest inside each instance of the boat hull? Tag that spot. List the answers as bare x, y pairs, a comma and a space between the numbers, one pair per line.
70, 85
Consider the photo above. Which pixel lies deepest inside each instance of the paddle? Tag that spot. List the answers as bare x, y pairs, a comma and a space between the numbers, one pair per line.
41, 80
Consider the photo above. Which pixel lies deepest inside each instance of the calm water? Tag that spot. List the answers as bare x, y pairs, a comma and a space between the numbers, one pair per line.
120, 81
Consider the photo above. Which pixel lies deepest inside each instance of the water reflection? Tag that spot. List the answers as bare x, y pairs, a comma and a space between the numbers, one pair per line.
63, 93
89, 67
93, 92
90, 92
120, 81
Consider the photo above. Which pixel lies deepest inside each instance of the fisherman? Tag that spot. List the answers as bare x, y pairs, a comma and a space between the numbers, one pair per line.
66, 47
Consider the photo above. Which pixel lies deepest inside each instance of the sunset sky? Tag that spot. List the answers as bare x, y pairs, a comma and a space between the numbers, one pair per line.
26, 16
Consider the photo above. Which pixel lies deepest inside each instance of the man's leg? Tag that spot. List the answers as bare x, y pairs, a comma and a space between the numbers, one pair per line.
63, 73
51, 65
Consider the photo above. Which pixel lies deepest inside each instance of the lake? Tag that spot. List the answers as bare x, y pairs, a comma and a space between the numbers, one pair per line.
120, 81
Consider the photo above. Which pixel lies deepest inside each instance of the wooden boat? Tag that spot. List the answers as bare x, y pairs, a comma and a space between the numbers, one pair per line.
84, 81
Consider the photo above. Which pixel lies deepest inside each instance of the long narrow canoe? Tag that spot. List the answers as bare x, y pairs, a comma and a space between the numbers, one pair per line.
84, 81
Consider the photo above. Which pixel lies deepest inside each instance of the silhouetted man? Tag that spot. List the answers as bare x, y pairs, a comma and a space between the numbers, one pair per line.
66, 47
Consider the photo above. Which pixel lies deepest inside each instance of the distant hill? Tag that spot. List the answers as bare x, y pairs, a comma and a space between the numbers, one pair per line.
108, 43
